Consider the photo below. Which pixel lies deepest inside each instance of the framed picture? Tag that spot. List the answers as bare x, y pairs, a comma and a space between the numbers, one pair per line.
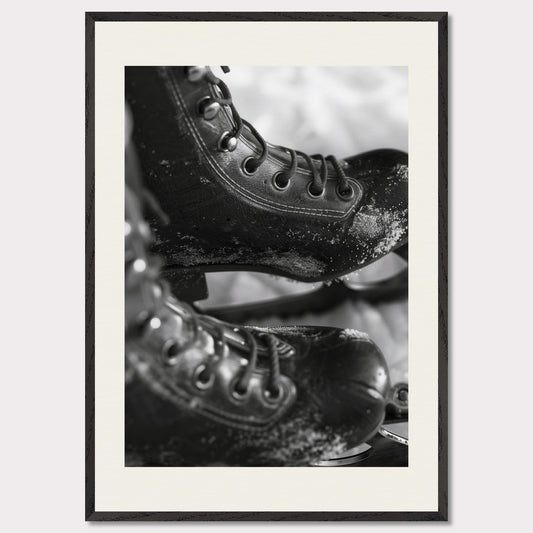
270, 314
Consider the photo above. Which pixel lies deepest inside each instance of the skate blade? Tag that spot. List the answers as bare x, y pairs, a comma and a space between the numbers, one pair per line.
395, 432
387, 272
350, 457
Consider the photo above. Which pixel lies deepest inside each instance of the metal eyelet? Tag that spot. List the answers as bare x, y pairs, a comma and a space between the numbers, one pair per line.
245, 164
236, 394
170, 352
277, 185
239, 395
208, 108
311, 194
195, 74
144, 231
346, 196
139, 265
157, 291
270, 397
199, 382
227, 143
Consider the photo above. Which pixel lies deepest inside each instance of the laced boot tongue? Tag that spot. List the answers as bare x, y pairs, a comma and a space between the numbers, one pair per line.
237, 129
237, 339
281, 153
185, 322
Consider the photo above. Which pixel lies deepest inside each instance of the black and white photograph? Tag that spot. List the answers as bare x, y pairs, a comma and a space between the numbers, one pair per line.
278, 320
266, 266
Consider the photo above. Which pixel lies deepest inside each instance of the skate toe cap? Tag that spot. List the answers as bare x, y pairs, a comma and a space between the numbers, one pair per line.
380, 225
355, 384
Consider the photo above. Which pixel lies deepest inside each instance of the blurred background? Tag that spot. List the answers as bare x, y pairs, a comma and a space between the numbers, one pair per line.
330, 110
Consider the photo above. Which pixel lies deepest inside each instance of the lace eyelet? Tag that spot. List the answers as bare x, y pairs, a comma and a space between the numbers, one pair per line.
227, 143
208, 108
311, 194
170, 352
348, 195
144, 231
280, 186
245, 165
272, 397
139, 265
237, 394
195, 74
201, 382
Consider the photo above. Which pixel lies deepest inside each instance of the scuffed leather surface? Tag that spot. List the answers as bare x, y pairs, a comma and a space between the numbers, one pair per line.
221, 216
342, 381
385, 323
176, 382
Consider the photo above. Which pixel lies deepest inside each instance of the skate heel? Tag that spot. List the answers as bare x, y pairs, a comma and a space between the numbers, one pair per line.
187, 284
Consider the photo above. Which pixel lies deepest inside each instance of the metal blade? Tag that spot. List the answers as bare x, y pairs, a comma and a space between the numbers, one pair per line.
395, 432
351, 456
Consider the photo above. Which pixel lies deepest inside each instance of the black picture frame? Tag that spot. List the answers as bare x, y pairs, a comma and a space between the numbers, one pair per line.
141, 515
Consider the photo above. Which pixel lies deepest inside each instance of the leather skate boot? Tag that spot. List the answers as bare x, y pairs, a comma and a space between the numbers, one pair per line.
200, 391
292, 395
236, 202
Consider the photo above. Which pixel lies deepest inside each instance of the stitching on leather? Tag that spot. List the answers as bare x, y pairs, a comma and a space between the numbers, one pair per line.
234, 185
304, 172
231, 419
214, 164
158, 383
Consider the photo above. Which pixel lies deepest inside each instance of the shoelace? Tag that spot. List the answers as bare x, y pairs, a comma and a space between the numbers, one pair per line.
156, 294
216, 328
251, 164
